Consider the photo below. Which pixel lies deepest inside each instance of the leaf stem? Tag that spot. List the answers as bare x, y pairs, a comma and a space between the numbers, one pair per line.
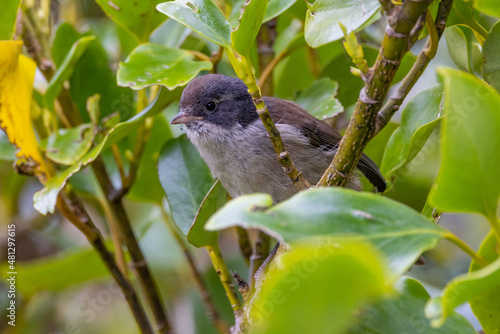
466, 248
495, 226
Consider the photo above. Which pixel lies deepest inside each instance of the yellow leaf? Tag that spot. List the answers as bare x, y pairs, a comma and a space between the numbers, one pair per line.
17, 73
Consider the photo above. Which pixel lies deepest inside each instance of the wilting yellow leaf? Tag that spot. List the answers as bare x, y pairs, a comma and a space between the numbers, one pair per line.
17, 73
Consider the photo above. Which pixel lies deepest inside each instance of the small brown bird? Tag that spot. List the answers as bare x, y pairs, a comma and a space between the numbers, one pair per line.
222, 122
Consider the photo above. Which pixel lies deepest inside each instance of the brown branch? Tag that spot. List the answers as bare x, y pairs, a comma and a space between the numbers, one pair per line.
361, 127
259, 255
435, 32
245, 244
71, 207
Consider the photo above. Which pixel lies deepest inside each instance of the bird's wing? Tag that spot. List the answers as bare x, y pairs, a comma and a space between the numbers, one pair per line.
320, 134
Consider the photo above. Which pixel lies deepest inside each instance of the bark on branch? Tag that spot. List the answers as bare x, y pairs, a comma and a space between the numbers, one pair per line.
396, 42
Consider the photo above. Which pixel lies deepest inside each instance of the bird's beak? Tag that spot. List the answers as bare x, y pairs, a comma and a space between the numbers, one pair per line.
183, 118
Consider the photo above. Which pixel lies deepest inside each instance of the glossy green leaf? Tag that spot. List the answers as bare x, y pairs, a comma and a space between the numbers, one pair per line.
485, 305
468, 180
463, 13
489, 7
8, 15
243, 36
65, 69
153, 64
277, 7
7, 149
44, 200
463, 288
92, 75
67, 146
323, 17
305, 275
319, 99
202, 16
185, 179
491, 57
398, 315
58, 272
458, 47
418, 120
138, 17
397, 230
274, 8
214, 200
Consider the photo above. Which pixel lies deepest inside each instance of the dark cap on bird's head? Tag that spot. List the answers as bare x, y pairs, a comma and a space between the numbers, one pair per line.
217, 99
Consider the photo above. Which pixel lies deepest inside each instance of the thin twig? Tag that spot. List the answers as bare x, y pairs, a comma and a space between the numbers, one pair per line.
225, 279
243, 68
74, 211
211, 310
389, 109
362, 124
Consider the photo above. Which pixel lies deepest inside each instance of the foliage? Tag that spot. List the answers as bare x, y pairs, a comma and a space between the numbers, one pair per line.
87, 90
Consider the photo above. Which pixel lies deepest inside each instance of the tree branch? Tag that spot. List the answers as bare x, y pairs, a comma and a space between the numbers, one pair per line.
423, 59
361, 127
71, 207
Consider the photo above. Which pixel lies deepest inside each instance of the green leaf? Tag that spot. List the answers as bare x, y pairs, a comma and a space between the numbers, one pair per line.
46, 273
92, 75
213, 201
491, 57
319, 99
418, 120
7, 149
463, 288
277, 7
489, 7
317, 286
322, 18
397, 230
153, 64
250, 21
462, 13
185, 179
485, 305
395, 315
44, 200
202, 16
65, 69
274, 9
8, 15
458, 47
137, 17
67, 146
470, 141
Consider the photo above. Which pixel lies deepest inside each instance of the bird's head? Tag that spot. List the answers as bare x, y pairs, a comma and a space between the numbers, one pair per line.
215, 99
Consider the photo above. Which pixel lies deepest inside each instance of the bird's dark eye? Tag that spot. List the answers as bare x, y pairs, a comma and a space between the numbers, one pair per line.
210, 106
